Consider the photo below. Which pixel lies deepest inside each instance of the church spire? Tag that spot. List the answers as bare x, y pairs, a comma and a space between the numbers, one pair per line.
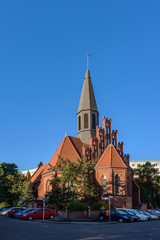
87, 100
87, 114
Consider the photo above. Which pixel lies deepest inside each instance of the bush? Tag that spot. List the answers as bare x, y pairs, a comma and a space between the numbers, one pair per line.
4, 204
97, 205
77, 206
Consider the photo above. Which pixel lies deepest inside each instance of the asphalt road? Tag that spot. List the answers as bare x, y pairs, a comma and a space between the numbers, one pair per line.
13, 229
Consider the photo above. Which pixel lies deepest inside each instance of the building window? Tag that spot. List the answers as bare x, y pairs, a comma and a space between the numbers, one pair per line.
139, 165
155, 165
133, 165
93, 121
104, 184
117, 184
85, 120
79, 123
48, 186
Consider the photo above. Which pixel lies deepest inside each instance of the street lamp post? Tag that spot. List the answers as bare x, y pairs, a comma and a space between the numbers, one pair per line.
109, 201
21, 195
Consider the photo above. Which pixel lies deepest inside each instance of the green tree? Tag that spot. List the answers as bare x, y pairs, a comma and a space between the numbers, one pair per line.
73, 180
87, 187
10, 185
148, 179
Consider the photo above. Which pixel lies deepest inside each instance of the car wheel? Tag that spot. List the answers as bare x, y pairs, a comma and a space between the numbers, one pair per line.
51, 217
30, 218
121, 220
101, 218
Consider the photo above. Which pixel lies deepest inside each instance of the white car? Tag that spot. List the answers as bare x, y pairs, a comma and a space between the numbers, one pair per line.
140, 215
153, 216
154, 213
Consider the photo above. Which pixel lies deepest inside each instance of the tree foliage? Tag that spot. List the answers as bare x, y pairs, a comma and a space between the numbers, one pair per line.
73, 180
10, 185
148, 179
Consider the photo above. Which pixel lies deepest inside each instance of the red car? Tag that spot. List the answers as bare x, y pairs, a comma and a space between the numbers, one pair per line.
15, 210
38, 214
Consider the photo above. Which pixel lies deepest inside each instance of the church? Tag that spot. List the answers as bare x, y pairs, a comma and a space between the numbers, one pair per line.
112, 170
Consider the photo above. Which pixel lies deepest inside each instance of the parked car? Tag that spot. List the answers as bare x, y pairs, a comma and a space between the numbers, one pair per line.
143, 213
135, 218
139, 214
154, 212
152, 216
116, 215
15, 210
19, 214
38, 214
5, 211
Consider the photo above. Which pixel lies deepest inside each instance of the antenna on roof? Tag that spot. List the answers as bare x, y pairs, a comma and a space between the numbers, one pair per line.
88, 55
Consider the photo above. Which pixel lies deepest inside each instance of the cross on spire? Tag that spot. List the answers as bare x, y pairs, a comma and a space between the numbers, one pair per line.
88, 55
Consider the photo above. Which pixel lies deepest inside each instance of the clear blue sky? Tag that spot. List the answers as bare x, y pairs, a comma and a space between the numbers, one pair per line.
43, 47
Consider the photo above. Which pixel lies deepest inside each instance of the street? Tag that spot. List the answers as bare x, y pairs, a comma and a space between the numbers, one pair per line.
13, 229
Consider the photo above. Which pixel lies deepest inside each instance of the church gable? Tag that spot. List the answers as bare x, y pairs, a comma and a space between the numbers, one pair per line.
105, 159
110, 158
116, 161
65, 150
69, 151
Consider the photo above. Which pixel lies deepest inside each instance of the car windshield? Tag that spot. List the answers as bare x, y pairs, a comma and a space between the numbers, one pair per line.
8, 209
146, 213
131, 213
121, 212
140, 212
153, 213
33, 210
5, 208
28, 210
134, 211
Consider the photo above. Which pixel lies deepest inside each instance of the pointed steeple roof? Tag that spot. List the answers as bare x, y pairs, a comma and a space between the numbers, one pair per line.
87, 100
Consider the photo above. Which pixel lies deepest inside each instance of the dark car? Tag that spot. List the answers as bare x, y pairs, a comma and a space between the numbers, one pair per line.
115, 216
15, 210
38, 214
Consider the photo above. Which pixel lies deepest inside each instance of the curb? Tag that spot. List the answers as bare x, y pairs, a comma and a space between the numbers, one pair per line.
67, 221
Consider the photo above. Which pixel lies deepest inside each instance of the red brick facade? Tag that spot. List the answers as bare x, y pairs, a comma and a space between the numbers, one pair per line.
112, 170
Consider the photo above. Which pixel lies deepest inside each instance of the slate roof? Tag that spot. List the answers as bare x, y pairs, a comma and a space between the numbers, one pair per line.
87, 100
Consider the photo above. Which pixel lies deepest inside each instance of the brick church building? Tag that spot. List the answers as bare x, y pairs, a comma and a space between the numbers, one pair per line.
112, 170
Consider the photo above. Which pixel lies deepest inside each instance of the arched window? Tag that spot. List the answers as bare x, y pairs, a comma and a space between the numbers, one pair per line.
93, 121
104, 184
85, 120
48, 186
79, 123
117, 184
